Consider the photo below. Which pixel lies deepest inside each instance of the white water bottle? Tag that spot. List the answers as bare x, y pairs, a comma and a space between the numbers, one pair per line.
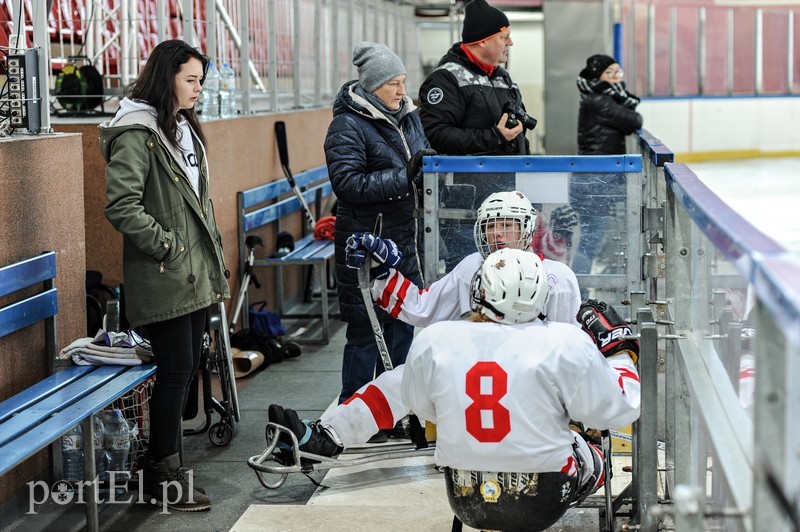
118, 443
209, 109
72, 454
227, 92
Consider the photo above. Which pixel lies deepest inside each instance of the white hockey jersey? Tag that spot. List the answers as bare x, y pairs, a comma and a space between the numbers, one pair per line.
449, 297
502, 395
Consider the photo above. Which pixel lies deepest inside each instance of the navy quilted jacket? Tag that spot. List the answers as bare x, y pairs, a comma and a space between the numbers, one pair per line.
367, 155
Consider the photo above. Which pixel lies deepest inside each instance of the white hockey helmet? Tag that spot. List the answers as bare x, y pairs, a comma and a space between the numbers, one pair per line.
510, 287
499, 207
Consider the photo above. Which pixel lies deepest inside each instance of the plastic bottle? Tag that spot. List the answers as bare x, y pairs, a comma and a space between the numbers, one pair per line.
118, 442
227, 92
210, 94
101, 457
72, 454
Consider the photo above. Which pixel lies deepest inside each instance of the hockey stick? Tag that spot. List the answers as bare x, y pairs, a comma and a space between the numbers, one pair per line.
415, 427
283, 153
363, 285
605, 444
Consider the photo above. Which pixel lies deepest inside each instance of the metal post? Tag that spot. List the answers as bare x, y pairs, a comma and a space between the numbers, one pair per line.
244, 55
729, 58
790, 52
187, 14
630, 62
701, 50
673, 49
211, 29
651, 49
161, 13
89, 473
770, 422
335, 4
124, 38
759, 52
318, 53
646, 428
296, 56
273, 61
41, 40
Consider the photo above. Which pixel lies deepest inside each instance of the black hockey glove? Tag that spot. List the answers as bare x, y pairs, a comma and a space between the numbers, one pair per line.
414, 167
563, 221
607, 329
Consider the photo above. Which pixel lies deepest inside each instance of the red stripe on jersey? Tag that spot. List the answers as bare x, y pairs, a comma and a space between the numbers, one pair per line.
625, 372
571, 467
377, 404
383, 302
401, 295
747, 373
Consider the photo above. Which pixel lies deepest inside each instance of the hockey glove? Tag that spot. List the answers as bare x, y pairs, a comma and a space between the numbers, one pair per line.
384, 252
355, 256
563, 221
414, 167
607, 329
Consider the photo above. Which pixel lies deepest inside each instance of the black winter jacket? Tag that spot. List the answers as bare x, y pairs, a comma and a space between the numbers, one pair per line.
460, 106
603, 125
366, 156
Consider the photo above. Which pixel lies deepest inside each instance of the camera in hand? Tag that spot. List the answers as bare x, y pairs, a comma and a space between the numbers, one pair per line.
517, 114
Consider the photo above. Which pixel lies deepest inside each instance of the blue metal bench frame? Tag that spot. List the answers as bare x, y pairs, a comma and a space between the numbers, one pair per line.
307, 251
39, 415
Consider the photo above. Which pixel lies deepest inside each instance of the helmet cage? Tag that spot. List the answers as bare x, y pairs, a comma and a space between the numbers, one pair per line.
495, 213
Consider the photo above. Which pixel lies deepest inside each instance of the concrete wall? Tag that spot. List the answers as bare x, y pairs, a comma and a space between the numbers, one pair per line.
242, 154
41, 209
53, 195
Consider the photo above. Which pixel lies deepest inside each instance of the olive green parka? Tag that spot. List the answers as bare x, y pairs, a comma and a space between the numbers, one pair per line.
173, 262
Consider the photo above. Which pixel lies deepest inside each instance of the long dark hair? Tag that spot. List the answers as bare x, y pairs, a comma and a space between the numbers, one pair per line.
156, 86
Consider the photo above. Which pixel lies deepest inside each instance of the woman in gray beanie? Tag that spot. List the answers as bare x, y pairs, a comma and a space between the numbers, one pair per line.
373, 151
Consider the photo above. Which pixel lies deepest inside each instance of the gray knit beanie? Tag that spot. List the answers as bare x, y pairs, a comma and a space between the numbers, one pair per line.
376, 64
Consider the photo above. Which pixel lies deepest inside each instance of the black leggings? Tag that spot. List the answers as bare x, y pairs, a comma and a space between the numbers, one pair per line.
177, 346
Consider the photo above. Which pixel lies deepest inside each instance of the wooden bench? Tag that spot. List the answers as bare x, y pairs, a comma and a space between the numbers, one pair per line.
307, 251
39, 415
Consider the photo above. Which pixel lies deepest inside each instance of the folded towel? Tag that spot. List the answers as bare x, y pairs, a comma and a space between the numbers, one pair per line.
128, 349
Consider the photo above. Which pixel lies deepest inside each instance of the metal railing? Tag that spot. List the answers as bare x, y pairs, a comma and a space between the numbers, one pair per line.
677, 49
716, 304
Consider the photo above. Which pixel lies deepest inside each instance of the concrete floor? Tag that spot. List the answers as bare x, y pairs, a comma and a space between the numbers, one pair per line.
391, 495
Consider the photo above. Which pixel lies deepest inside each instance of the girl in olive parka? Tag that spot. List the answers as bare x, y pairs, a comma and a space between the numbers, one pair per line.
173, 267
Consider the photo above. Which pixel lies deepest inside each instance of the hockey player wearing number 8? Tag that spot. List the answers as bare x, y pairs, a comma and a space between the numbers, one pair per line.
501, 387
504, 220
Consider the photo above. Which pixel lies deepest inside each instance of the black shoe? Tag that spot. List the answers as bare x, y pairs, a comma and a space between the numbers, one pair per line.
310, 436
171, 487
379, 437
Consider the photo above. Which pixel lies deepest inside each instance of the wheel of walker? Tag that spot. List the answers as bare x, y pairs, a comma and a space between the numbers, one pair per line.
220, 434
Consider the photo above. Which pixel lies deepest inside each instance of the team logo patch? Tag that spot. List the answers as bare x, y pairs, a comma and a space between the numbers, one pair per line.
435, 95
565, 491
490, 491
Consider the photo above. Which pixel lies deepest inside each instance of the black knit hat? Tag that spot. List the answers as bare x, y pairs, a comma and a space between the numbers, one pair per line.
482, 21
596, 65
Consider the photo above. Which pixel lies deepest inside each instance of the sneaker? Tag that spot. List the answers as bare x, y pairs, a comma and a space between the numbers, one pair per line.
173, 488
311, 437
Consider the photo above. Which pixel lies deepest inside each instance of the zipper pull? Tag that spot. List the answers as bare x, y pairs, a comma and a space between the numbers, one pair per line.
161, 267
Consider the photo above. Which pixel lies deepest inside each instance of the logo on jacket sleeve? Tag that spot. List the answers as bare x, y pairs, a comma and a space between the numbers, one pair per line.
435, 95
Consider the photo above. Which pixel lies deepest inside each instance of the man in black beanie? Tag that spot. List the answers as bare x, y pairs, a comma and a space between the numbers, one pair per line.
463, 101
